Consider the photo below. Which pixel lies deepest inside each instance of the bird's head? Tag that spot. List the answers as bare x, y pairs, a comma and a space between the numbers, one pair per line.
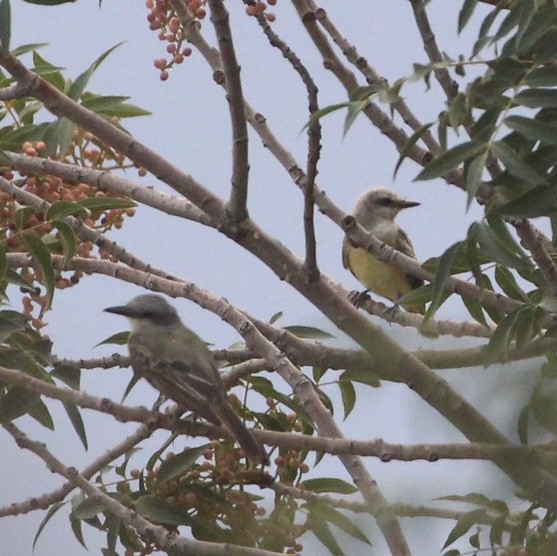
147, 309
379, 204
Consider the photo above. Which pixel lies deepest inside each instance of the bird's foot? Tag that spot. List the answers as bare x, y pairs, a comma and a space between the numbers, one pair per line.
358, 298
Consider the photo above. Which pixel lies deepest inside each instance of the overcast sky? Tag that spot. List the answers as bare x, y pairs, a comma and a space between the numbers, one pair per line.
190, 127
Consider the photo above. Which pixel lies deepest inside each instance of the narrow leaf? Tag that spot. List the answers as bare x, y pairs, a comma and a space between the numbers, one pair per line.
364, 377
90, 507
38, 250
17, 402
180, 463
49, 514
463, 525
105, 203
327, 485
309, 332
466, 13
68, 240
515, 164
412, 140
450, 160
78, 86
441, 276
77, 422
348, 394
337, 518
162, 512
5, 25
533, 129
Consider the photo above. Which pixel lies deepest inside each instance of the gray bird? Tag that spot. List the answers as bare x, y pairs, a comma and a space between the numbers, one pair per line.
176, 361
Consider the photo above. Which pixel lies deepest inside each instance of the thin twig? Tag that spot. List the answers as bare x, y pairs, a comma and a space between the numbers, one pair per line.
237, 202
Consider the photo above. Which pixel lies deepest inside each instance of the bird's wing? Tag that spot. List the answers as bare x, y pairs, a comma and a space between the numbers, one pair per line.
345, 248
403, 244
177, 381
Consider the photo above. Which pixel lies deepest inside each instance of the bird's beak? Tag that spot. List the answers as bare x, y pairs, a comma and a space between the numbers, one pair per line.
119, 310
408, 204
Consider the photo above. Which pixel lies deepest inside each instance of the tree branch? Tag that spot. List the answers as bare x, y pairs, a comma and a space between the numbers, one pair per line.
236, 207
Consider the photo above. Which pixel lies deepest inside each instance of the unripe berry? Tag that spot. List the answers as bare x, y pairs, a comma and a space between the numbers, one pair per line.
160, 63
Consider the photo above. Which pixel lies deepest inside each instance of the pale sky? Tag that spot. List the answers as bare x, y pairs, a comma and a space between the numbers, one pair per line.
190, 127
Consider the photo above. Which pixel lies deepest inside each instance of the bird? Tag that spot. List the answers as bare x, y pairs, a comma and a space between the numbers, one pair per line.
376, 211
177, 362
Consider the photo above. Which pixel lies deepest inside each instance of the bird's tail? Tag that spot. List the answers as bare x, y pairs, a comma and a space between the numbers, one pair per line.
253, 449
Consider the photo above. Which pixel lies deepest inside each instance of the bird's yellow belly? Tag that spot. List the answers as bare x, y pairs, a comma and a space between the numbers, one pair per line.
381, 278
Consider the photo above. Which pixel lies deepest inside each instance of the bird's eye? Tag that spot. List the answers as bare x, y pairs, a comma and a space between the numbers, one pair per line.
384, 201
147, 314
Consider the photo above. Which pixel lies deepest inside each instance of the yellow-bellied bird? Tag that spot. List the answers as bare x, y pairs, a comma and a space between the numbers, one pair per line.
376, 211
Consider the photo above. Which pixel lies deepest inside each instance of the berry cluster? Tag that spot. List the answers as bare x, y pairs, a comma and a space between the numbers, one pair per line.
259, 8
17, 220
208, 491
163, 19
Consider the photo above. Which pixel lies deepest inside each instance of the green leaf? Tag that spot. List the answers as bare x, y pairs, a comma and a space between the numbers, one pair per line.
68, 374
90, 507
59, 209
494, 248
64, 134
25, 48
78, 86
474, 307
162, 512
51, 74
479, 499
515, 164
441, 276
119, 339
38, 250
348, 394
112, 106
541, 77
499, 342
49, 3
537, 98
327, 513
74, 416
466, 13
308, 332
5, 25
49, 514
105, 203
539, 201
17, 402
77, 530
5, 158
450, 160
543, 408
364, 377
509, 285
180, 463
321, 530
326, 485
474, 175
523, 422
464, 524
533, 129
68, 240
3, 263
276, 317
21, 216
412, 140
40, 413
